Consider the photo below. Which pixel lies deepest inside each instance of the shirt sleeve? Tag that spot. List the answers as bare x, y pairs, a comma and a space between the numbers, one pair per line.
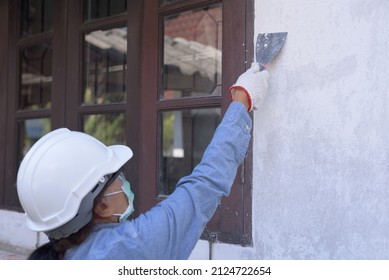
171, 229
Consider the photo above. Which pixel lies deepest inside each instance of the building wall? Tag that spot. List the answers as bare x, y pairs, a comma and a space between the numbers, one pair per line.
321, 140
15, 236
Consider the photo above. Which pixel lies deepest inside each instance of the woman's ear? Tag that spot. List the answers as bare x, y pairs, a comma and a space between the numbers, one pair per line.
103, 209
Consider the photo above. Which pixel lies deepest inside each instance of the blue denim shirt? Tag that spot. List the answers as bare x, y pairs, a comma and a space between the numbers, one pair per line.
171, 229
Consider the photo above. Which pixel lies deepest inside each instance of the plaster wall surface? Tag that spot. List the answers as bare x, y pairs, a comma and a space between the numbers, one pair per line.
321, 139
14, 235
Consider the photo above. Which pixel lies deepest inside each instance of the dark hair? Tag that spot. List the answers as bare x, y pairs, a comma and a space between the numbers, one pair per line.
45, 252
56, 249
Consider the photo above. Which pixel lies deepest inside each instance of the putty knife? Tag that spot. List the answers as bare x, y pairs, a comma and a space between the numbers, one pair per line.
267, 47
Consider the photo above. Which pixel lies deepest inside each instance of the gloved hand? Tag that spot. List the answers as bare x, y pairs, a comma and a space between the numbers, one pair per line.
254, 83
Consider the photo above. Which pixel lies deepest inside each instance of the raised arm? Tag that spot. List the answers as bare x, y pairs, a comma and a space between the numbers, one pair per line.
172, 228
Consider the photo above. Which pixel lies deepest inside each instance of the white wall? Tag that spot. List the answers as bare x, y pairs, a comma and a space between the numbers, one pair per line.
321, 140
321, 155
15, 236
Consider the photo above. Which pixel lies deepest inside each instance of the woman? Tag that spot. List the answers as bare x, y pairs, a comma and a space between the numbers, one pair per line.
72, 188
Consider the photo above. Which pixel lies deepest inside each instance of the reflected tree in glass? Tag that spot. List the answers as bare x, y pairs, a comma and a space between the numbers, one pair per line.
108, 128
29, 132
185, 136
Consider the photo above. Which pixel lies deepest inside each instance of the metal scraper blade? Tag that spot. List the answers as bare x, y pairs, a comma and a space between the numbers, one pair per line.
267, 47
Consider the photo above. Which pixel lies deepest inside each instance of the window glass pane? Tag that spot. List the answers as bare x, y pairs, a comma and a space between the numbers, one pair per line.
185, 135
165, 2
192, 56
36, 77
94, 9
29, 131
108, 128
105, 66
36, 16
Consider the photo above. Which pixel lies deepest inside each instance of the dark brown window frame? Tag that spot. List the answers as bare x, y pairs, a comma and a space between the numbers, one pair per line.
13, 115
3, 94
237, 15
142, 90
76, 29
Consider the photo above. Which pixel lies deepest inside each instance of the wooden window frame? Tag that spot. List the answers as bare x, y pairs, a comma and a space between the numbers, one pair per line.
237, 16
143, 20
3, 94
56, 113
76, 29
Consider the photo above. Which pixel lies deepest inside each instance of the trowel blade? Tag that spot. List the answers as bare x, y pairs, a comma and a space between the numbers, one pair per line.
267, 47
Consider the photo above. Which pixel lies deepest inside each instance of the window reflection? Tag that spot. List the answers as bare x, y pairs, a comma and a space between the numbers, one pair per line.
95, 9
166, 2
29, 132
36, 17
105, 66
185, 135
192, 57
108, 128
36, 77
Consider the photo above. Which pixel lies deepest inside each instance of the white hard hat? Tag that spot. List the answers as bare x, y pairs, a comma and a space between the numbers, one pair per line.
61, 175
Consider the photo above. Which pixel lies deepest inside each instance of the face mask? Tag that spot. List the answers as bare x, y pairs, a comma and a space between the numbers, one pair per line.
126, 189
